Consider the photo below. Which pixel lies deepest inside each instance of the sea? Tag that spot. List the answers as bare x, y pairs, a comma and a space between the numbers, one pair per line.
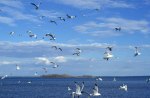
37, 87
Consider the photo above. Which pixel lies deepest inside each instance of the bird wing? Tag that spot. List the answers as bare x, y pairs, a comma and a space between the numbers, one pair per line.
34, 5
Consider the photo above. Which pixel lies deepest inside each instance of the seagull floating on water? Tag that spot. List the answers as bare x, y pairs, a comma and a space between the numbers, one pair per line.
114, 79
124, 87
148, 80
99, 79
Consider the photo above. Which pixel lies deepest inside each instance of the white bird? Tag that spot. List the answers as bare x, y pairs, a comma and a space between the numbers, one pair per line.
11, 33
114, 79
107, 56
52, 37
32, 35
148, 80
95, 91
99, 79
35, 73
137, 52
69, 89
78, 51
55, 65
78, 91
17, 67
3, 77
71, 17
29, 82
124, 87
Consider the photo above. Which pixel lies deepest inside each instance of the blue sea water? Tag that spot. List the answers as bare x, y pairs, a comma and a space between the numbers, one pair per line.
57, 88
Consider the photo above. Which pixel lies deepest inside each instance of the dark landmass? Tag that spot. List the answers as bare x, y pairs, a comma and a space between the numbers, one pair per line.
66, 76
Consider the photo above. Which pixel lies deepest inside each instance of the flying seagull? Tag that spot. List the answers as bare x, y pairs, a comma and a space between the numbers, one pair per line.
11, 33
118, 28
137, 52
109, 48
45, 70
32, 35
17, 67
124, 87
52, 37
52, 21
55, 65
95, 91
3, 77
70, 17
79, 90
36, 5
54, 47
78, 51
107, 56
61, 18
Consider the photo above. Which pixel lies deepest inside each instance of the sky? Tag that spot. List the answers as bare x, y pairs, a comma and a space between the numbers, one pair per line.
91, 31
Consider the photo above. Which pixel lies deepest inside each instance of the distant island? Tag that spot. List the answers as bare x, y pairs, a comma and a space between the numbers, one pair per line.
66, 76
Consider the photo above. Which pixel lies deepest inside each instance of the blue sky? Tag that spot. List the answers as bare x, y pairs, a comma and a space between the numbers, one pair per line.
91, 30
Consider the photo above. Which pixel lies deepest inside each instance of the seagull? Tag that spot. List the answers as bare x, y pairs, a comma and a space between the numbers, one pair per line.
3, 77
114, 79
97, 9
148, 80
55, 65
109, 48
36, 5
71, 17
95, 91
60, 49
136, 52
124, 87
50, 35
17, 67
35, 73
11, 33
42, 17
29, 82
107, 56
61, 18
118, 29
45, 70
31, 34
69, 89
78, 51
79, 90
99, 79
54, 47
52, 21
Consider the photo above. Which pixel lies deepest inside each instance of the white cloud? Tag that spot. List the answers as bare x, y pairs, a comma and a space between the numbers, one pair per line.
92, 4
12, 3
105, 27
7, 20
60, 59
43, 60
8, 62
